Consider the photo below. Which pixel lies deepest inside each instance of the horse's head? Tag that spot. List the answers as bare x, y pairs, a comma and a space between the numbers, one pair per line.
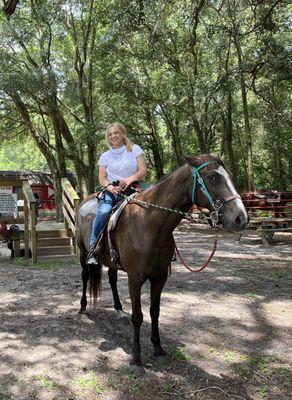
213, 189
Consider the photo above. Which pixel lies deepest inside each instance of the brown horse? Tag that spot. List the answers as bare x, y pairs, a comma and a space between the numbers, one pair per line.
144, 240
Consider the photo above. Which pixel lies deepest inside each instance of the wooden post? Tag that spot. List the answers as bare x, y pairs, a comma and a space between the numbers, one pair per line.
26, 232
16, 247
71, 202
76, 207
33, 232
31, 211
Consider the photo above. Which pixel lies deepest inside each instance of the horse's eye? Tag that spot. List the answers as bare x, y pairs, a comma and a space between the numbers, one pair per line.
214, 177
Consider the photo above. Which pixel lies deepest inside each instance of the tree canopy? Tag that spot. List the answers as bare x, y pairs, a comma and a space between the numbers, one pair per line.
184, 76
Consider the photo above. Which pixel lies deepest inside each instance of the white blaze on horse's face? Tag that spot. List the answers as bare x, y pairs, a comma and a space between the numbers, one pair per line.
231, 188
234, 215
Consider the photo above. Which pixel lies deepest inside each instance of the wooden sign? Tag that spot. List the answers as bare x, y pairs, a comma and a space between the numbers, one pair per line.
8, 202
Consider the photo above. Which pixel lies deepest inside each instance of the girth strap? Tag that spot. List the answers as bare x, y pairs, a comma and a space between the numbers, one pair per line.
114, 255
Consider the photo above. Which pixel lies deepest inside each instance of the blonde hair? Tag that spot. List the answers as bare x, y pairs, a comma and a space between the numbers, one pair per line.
127, 142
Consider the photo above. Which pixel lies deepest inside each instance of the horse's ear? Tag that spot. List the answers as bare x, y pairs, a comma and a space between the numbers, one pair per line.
188, 160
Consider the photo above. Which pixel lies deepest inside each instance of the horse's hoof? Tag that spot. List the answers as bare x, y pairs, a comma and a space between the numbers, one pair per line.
160, 353
139, 370
82, 311
136, 361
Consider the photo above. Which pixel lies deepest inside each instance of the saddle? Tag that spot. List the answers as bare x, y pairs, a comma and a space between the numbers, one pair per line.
110, 226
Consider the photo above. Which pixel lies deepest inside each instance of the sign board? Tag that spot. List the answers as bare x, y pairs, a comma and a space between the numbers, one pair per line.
8, 202
6, 190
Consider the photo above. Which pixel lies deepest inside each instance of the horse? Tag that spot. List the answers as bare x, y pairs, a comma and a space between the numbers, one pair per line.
143, 236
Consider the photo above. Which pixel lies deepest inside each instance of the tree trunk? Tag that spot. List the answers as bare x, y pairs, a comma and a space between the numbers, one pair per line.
9, 7
45, 150
247, 128
155, 145
229, 136
173, 129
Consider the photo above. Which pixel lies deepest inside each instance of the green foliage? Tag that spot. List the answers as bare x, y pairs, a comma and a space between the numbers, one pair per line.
89, 381
26, 262
129, 372
21, 156
178, 354
45, 381
167, 70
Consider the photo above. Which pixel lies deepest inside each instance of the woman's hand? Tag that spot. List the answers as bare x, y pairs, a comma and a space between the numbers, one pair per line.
114, 189
125, 183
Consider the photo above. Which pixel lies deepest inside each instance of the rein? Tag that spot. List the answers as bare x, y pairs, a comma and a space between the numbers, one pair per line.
182, 260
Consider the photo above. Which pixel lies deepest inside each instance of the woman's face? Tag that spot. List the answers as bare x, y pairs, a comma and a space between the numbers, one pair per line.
115, 137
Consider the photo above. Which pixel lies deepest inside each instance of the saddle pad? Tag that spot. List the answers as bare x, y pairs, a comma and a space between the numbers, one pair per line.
90, 207
117, 212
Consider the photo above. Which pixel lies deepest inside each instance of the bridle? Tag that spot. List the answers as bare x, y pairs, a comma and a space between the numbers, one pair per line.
199, 183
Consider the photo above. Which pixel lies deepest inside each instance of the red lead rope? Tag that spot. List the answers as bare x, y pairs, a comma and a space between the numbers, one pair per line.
206, 263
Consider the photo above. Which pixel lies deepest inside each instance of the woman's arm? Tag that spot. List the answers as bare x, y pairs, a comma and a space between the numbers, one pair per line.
141, 172
102, 177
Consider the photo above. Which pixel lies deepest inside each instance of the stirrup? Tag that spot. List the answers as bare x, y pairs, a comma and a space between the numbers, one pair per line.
91, 258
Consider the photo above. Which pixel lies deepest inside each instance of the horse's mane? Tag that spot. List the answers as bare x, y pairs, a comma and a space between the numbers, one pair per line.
194, 161
200, 159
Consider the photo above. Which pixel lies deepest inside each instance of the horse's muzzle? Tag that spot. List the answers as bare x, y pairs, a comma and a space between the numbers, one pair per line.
233, 218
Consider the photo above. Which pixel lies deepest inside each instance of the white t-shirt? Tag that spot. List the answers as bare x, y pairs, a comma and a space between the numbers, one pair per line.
120, 163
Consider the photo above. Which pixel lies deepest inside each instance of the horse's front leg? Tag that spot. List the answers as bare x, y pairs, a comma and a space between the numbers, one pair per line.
113, 277
157, 284
85, 277
137, 319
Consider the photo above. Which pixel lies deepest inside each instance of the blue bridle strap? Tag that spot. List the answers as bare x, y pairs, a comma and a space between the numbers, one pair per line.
200, 181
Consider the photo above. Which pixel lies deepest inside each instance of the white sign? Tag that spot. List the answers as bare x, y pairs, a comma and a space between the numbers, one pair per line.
5, 190
8, 204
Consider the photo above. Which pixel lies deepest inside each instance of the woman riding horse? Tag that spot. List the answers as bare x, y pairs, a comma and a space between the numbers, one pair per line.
143, 236
124, 163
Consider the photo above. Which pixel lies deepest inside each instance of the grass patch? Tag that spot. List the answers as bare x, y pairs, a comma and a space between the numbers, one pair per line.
131, 374
230, 356
136, 390
27, 263
178, 354
45, 381
6, 397
278, 274
263, 392
202, 356
89, 381
250, 295
168, 388
271, 368
262, 363
214, 352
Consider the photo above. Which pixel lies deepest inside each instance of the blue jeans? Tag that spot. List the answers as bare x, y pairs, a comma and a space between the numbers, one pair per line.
106, 203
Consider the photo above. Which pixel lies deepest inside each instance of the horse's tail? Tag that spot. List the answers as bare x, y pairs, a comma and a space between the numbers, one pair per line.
95, 274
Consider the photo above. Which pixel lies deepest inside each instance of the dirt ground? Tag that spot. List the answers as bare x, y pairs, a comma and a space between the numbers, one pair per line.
226, 329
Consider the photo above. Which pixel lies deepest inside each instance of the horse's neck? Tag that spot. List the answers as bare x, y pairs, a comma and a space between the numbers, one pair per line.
173, 193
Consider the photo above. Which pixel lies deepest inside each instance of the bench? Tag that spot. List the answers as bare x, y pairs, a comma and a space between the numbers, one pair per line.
267, 227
